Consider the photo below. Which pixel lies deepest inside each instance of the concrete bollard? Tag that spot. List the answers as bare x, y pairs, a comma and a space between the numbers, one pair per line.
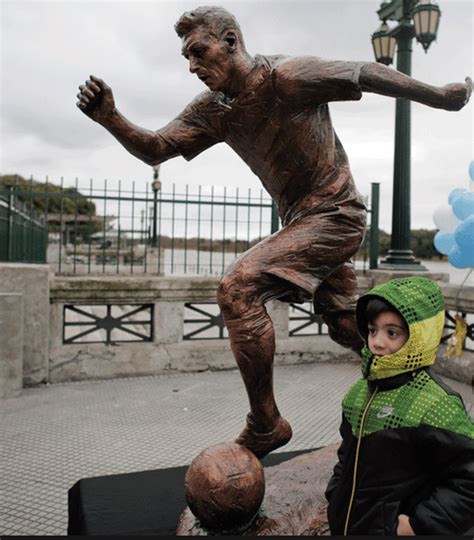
11, 344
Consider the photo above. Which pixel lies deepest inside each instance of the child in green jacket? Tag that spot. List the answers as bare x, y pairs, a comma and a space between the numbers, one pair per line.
406, 462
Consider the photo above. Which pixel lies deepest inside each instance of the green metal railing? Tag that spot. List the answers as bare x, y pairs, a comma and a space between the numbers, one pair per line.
121, 229
23, 234
374, 226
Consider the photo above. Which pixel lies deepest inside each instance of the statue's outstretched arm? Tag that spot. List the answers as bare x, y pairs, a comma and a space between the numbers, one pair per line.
381, 79
97, 102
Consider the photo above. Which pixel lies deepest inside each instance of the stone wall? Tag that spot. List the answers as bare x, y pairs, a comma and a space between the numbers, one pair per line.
168, 351
48, 358
11, 340
32, 282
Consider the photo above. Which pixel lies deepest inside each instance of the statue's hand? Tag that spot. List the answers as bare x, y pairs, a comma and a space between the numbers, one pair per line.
457, 94
96, 100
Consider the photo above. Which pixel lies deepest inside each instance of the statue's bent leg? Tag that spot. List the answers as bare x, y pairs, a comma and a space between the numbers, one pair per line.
306, 259
241, 298
335, 299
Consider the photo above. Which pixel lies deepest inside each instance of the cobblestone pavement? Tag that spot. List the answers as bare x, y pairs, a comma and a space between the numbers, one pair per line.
54, 435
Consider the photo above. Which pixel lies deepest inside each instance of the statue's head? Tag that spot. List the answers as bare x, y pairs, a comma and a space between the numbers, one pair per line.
211, 42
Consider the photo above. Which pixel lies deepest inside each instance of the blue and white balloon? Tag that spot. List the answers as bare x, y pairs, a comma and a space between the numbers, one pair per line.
444, 242
464, 235
463, 205
445, 219
455, 194
461, 258
455, 222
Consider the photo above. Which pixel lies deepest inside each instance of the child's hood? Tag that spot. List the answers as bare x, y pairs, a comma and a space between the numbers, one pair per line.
420, 302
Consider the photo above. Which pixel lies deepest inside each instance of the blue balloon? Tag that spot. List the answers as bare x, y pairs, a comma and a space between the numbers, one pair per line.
471, 170
455, 194
463, 205
444, 242
464, 234
461, 258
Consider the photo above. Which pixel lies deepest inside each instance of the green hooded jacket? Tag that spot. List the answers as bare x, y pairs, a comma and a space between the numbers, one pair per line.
408, 442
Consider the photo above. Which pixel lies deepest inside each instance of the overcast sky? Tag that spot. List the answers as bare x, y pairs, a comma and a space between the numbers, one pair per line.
49, 48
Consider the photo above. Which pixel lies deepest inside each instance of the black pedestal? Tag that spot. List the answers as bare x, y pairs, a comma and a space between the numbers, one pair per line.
141, 503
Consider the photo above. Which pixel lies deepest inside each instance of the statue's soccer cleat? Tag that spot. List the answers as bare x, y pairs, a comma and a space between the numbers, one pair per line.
262, 444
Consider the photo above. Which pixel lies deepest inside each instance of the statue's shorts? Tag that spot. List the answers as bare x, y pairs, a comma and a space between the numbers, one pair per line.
309, 259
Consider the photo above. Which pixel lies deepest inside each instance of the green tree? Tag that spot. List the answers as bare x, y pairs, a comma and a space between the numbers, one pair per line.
43, 198
421, 244
73, 201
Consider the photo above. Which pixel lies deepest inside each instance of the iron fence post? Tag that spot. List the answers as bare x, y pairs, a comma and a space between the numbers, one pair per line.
155, 207
275, 218
10, 224
374, 225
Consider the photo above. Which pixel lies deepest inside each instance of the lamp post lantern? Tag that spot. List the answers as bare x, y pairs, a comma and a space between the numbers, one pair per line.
426, 17
384, 44
420, 19
156, 186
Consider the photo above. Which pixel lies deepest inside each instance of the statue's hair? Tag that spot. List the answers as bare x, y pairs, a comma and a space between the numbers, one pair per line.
216, 20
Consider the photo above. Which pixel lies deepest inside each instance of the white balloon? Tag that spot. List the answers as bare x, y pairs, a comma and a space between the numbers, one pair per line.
445, 219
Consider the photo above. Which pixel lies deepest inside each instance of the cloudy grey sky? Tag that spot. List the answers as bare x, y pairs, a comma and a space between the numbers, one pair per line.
49, 48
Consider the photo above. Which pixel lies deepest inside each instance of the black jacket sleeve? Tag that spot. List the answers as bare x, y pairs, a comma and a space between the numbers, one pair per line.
341, 452
449, 509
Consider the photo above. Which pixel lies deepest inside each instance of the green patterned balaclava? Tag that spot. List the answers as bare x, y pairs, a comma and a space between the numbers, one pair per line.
420, 302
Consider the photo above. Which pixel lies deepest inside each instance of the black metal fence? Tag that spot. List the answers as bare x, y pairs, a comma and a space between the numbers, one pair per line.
23, 234
120, 228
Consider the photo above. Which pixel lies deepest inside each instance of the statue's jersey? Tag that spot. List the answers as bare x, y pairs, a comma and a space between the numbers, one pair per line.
281, 127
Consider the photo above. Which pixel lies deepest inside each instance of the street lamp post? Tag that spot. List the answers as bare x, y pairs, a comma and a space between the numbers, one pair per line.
425, 15
156, 186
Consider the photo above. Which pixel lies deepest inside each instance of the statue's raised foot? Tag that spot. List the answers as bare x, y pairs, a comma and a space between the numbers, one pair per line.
262, 444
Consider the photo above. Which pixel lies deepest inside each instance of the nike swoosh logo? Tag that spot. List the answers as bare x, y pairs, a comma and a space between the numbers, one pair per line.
383, 413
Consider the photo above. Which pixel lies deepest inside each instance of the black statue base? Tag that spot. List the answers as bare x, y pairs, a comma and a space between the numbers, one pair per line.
140, 503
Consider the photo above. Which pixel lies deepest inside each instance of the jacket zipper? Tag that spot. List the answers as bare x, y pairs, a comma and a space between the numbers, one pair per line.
356, 461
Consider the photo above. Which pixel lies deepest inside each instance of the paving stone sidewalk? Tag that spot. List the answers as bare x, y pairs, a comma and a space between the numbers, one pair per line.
54, 435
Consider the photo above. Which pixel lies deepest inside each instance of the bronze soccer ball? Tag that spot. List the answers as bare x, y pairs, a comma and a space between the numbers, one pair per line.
224, 486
